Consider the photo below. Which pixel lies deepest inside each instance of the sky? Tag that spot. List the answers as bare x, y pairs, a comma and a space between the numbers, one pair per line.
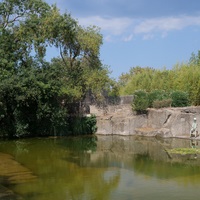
145, 33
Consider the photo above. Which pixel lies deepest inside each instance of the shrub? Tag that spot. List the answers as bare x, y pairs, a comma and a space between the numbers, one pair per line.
162, 104
90, 124
140, 101
158, 99
157, 95
83, 125
179, 99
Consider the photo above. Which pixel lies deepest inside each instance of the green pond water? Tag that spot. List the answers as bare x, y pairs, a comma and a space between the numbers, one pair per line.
98, 168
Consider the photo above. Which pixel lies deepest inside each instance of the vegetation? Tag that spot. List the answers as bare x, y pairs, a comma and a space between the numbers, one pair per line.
179, 99
184, 151
182, 77
158, 99
140, 102
36, 96
177, 87
83, 125
156, 96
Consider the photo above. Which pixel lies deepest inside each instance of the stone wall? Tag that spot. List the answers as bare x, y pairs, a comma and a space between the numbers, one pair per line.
165, 122
114, 106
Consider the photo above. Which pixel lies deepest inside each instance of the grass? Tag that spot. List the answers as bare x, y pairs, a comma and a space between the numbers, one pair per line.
184, 151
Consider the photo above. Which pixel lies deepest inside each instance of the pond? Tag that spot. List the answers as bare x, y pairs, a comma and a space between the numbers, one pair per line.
97, 168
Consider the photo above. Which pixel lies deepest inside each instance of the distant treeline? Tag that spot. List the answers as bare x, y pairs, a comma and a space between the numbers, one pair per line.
182, 77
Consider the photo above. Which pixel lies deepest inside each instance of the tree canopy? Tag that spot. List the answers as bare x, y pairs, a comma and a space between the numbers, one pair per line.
35, 95
183, 77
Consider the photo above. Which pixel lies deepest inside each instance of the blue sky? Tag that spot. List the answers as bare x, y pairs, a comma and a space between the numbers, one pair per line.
153, 33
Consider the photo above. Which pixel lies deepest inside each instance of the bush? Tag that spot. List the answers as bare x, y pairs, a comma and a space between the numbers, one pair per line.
90, 124
158, 99
83, 125
140, 101
157, 95
162, 104
179, 99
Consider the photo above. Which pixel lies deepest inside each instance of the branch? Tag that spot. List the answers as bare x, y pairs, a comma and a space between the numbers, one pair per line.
14, 20
61, 54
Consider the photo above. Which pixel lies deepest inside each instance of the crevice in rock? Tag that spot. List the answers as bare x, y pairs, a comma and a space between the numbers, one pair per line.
188, 111
167, 118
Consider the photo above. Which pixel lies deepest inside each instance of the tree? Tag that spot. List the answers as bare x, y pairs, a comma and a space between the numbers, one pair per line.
140, 101
182, 77
16, 45
35, 94
195, 59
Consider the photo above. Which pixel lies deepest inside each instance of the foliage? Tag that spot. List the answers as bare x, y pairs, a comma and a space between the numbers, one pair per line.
182, 77
179, 99
162, 103
195, 59
158, 99
140, 101
35, 95
184, 151
157, 95
138, 79
83, 125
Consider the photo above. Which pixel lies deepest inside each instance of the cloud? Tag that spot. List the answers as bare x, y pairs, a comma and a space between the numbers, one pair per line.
108, 38
128, 38
125, 19
115, 26
166, 24
148, 36
126, 28
128, 8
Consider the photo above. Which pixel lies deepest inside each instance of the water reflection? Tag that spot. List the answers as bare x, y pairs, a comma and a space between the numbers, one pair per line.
101, 167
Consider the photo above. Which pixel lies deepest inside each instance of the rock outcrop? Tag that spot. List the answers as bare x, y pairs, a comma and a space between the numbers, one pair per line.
165, 122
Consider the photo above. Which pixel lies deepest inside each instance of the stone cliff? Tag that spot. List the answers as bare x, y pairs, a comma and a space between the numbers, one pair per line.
165, 122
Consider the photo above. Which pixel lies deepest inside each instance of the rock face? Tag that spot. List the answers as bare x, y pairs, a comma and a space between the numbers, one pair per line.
165, 122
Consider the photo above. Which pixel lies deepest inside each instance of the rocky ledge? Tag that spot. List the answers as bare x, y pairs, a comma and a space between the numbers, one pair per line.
165, 122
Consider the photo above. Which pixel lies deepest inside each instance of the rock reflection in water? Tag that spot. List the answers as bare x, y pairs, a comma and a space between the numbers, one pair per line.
104, 167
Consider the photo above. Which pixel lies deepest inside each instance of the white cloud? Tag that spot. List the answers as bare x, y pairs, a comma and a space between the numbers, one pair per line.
166, 24
115, 26
108, 38
128, 38
126, 28
148, 36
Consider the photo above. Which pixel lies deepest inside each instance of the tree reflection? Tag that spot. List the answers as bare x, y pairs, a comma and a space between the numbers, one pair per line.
96, 167
58, 176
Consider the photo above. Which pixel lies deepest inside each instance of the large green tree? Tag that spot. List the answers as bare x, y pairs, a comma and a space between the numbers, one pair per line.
35, 95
